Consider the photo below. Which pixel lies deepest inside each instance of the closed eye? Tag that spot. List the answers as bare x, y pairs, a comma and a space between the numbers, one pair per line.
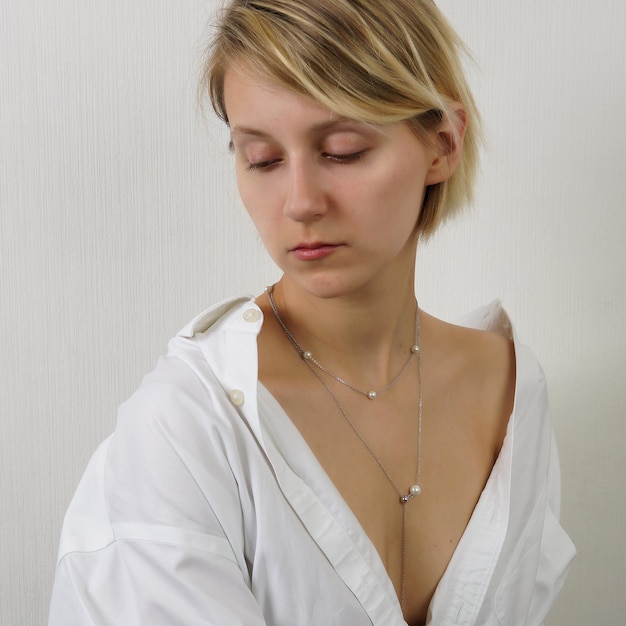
337, 158
345, 158
261, 165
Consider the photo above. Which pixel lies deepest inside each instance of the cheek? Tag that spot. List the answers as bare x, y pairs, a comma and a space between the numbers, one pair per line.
251, 198
396, 194
260, 194
257, 207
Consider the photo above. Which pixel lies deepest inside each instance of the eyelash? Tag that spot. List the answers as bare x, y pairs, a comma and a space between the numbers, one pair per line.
342, 159
346, 158
263, 165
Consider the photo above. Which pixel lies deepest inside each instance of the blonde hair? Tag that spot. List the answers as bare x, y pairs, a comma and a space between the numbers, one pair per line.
378, 61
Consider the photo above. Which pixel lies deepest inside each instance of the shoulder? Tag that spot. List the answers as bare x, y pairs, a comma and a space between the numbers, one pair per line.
529, 377
474, 369
191, 386
185, 426
503, 362
229, 310
487, 365
481, 354
491, 342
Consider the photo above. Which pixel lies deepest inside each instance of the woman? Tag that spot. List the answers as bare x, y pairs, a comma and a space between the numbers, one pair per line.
328, 453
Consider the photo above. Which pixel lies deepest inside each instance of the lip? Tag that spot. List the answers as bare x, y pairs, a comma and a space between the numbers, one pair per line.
313, 251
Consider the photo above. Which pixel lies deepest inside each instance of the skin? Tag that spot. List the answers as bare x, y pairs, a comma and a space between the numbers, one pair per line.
336, 202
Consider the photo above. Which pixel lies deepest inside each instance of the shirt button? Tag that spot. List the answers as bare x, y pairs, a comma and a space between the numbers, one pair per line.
236, 397
251, 315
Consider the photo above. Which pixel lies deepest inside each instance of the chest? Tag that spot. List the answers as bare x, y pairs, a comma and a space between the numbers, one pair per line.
374, 459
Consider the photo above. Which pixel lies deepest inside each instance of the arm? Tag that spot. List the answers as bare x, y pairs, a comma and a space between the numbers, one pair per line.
154, 534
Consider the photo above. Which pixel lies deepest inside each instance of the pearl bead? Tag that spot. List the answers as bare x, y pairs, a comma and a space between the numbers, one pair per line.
372, 395
415, 349
308, 356
415, 490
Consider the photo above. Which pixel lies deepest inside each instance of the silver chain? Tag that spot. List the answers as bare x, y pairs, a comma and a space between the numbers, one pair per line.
307, 355
415, 489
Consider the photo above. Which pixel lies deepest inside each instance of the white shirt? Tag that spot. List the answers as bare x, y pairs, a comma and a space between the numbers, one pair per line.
206, 506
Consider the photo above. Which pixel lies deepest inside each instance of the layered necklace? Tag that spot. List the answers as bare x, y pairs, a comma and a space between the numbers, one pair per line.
319, 370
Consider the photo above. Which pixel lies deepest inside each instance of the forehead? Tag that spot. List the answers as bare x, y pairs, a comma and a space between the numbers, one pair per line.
248, 95
258, 107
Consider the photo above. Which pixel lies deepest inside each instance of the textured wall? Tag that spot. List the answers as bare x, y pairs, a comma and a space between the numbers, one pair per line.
119, 221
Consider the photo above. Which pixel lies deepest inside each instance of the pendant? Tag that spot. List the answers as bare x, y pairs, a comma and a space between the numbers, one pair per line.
414, 490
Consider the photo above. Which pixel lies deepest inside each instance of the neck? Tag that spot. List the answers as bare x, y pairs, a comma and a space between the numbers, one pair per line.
365, 335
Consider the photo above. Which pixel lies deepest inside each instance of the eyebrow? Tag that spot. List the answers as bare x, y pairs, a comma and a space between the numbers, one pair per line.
316, 128
244, 130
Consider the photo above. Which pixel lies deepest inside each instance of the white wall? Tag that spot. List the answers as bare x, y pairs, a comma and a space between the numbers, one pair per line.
118, 221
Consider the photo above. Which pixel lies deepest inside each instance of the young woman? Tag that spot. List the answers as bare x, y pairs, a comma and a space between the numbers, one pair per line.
329, 453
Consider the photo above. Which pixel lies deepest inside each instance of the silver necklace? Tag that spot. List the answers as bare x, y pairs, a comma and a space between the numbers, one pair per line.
308, 357
416, 488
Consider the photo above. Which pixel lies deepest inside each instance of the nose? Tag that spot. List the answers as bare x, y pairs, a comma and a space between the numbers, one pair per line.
305, 198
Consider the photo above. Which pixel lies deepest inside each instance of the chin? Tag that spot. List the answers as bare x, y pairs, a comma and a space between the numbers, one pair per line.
328, 285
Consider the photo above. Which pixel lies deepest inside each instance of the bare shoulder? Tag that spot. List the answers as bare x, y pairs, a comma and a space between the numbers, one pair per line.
480, 367
480, 350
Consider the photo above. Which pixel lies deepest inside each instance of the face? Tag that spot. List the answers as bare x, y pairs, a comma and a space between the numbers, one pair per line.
335, 201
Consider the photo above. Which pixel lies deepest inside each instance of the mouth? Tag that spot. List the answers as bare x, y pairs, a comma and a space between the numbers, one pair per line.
313, 251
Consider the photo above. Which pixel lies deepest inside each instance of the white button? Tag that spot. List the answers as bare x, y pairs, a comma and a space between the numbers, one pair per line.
251, 315
236, 397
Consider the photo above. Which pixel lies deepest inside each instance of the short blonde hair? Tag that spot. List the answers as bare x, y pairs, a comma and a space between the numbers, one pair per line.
378, 61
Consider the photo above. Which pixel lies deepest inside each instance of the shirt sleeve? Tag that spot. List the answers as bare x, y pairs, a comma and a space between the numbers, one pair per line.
154, 534
557, 550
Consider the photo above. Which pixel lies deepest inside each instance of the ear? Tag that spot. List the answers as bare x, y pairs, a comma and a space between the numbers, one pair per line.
448, 144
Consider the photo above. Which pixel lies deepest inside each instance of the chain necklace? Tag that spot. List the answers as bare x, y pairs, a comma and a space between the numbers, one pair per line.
308, 357
415, 489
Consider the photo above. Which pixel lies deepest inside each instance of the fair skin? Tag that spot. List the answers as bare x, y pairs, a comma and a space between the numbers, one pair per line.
336, 202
